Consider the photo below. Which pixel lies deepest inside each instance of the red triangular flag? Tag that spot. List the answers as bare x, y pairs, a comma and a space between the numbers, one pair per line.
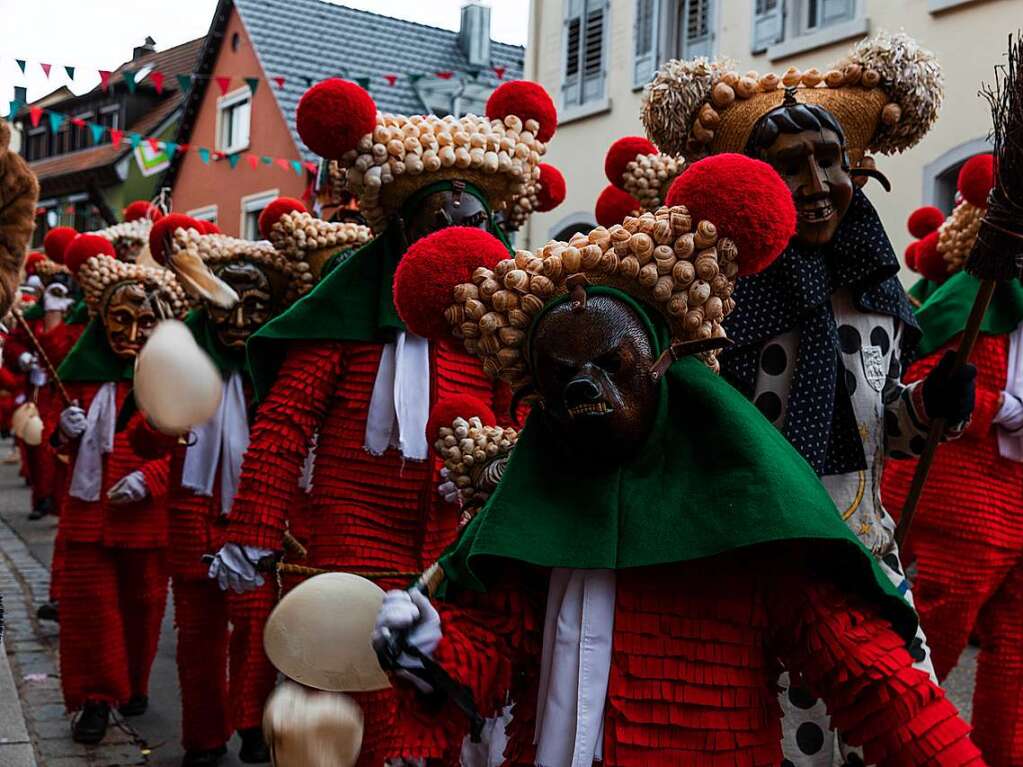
445, 75
78, 122
499, 71
391, 79
252, 160
46, 69
223, 83
116, 136
283, 163
182, 148
104, 79
312, 167
157, 78
279, 81
154, 144
36, 114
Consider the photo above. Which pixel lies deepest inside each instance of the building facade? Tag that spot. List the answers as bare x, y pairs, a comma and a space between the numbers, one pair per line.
595, 56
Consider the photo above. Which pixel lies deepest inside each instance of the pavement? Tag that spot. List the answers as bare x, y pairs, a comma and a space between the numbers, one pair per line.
34, 727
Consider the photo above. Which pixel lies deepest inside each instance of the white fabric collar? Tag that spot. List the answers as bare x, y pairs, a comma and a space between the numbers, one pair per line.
96, 442
400, 405
1010, 446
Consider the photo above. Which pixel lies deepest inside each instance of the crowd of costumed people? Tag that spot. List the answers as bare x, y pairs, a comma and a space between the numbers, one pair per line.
702, 484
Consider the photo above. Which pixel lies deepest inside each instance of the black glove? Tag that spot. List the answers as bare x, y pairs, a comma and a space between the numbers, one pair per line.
949, 393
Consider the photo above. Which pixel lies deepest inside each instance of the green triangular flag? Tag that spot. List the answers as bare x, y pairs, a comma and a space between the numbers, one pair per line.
253, 83
134, 139
21, 65
170, 147
297, 167
15, 106
232, 160
473, 73
308, 82
415, 78
97, 132
184, 82
56, 120
129, 80
266, 160
362, 82
204, 155
70, 72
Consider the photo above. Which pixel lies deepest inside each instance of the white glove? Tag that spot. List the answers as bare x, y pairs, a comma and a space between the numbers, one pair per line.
56, 299
26, 361
73, 422
448, 490
412, 613
38, 377
1010, 415
129, 489
234, 567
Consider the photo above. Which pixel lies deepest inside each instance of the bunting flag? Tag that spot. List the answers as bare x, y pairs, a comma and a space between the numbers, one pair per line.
223, 83
116, 136
312, 167
78, 122
46, 69
415, 78
21, 65
252, 160
253, 83
391, 79
499, 71
232, 160
445, 75
183, 148
157, 79
170, 147
35, 114
279, 82
204, 155
154, 144
362, 82
184, 82
266, 160
296, 166
129, 80
97, 132
70, 72
14, 107
56, 120
283, 163
104, 79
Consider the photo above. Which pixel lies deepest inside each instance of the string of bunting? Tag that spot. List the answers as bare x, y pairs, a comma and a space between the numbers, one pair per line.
118, 136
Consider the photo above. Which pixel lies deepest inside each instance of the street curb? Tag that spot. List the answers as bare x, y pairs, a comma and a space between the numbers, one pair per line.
15, 745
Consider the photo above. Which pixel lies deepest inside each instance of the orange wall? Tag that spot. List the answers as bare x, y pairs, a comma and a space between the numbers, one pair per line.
198, 184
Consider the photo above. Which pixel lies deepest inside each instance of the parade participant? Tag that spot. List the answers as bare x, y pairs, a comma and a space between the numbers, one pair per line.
966, 539
820, 336
19, 193
348, 370
654, 545
114, 585
545, 194
224, 675
919, 255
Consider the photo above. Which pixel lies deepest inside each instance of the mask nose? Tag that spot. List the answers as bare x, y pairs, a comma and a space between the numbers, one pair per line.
582, 391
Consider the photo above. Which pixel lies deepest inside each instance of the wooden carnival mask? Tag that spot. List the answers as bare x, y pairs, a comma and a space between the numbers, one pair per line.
258, 299
129, 316
592, 366
443, 209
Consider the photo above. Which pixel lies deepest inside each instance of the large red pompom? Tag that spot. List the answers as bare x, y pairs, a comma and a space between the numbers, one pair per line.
458, 406
976, 178
32, 260
164, 228
614, 205
207, 227
747, 202
552, 188
142, 209
621, 153
525, 100
428, 273
929, 261
84, 247
910, 255
923, 221
272, 213
56, 241
333, 115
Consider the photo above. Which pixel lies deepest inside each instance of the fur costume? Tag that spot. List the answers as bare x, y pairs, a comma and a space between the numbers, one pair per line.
19, 192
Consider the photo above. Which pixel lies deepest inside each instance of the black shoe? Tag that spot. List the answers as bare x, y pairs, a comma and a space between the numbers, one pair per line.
203, 758
135, 706
48, 612
253, 750
91, 724
43, 508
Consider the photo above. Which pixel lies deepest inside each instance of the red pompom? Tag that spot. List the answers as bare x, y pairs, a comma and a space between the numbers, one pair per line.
56, 241
333, 115
614, 205
458, 406
526, 100
164, 228
552, 188
32, 260
207, 227
923, 221
976, 178
272, 213
84, 247
747, 202
910, 255
621, 153
929, 261
430, 270
142, 209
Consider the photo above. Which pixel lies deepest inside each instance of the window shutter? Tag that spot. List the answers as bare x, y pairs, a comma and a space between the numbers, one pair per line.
593, 69
697, 28
768, 23
571, 86
646, 32
835, 11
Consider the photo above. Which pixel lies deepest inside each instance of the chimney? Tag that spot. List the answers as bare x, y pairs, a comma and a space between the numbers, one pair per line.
21, 94
474, 34
149, 46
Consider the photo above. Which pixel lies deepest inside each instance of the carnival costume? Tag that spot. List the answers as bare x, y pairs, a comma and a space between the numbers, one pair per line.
19, 192
967, 538
114, 528
635, 593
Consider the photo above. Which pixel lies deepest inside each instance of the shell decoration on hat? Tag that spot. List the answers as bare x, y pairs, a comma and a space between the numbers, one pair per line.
543, 195
726, 216
129, 238
308, 242
958, 232
885, 93
637, 167
387, 157
46, 270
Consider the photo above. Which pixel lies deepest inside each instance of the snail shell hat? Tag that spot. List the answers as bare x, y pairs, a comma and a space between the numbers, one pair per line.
544, 194
885, 94
635, 166
726, 216
387, 157
958, 232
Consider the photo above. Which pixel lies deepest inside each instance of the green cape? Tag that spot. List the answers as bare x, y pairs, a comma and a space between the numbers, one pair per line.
352, 303
35, 311
226, 360
715, 476
92, 359
79, 313
922, 289
943, 315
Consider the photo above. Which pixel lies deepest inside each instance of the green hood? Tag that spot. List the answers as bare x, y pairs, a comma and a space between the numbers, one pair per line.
922, 289
227, 360
943, 315
79, 313
92, 359
715, 476
352, 303
35, 311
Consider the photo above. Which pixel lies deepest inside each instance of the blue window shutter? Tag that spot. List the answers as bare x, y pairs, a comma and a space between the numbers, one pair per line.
768, 24
594, 55
697, 27
645, 35
571, 86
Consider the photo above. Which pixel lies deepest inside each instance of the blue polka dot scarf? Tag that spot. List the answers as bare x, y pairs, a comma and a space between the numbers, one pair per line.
795, 293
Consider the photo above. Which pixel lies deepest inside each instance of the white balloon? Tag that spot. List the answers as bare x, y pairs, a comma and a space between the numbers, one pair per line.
177, 385
32, 431
20, 417
312, 728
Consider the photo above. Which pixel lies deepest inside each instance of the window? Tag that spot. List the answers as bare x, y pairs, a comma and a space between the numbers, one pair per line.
585, 51
667, 29
233, 117
774, 21
252, 206
83, 136
205, 213
109, 117
38, 145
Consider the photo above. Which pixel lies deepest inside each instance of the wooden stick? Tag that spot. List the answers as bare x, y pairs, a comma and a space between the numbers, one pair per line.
43, 356
937, 430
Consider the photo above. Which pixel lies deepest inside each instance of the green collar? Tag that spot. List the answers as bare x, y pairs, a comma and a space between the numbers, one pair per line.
227, 360
943, 315
714, 477
92, 360
79, 313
